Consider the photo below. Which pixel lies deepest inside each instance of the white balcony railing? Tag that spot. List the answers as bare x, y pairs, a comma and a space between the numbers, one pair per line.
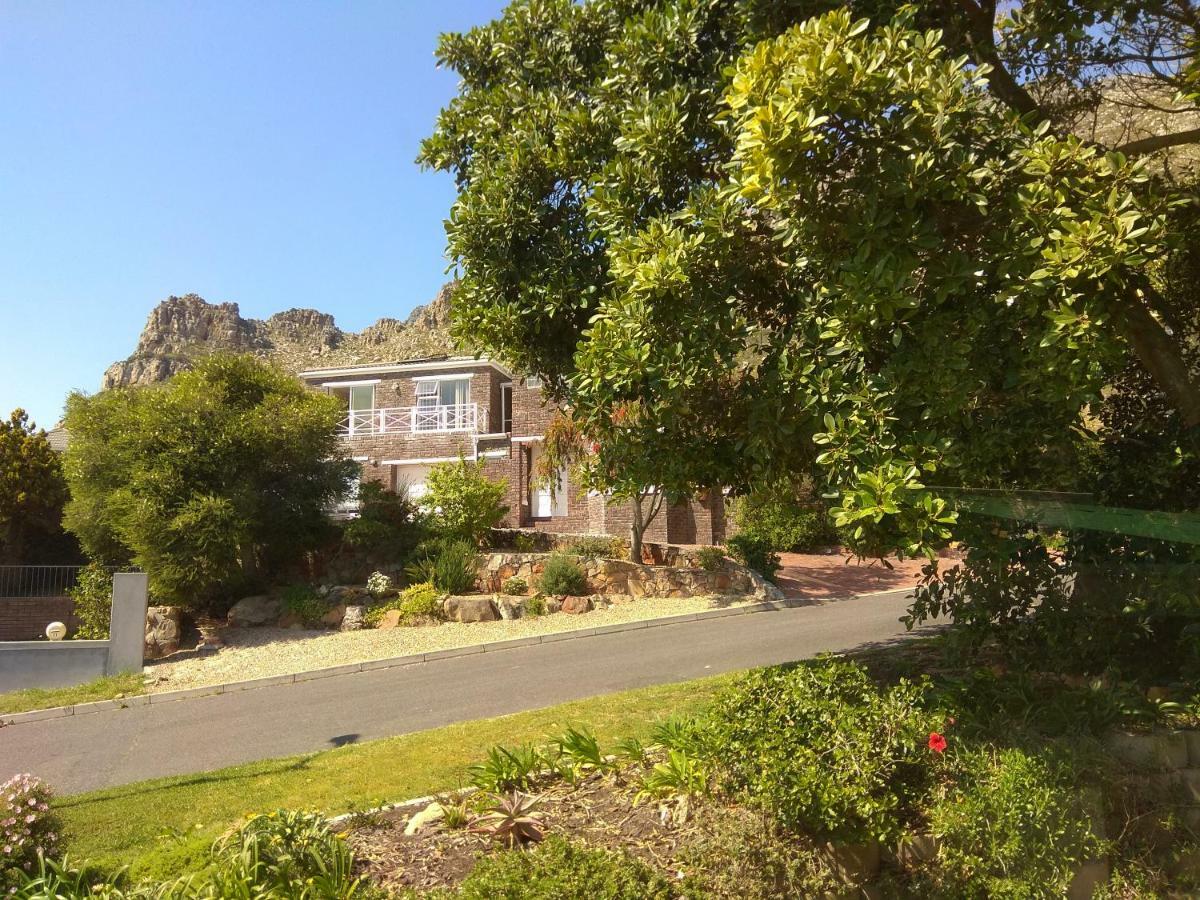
410, 420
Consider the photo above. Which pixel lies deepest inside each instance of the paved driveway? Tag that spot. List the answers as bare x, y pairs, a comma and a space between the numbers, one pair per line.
81, 753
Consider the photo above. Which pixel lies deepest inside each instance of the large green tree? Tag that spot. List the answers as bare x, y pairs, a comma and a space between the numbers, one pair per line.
899, 247
218, 474
32, 493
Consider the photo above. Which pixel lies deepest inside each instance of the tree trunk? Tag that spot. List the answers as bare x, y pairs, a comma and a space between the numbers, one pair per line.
1159, 352
636, 529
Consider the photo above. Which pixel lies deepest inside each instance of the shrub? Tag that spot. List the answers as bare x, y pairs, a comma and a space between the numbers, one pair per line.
711, 559
754, 552
388, 524
28, 829
515, 586
535, 605
379, 585
595, 546
420, 601
449, 565
558, 870
1011, 826
92, 596
506, 769
524, 543
785, 519
823, 749
302, 602
563, 575
464, 503
678, 775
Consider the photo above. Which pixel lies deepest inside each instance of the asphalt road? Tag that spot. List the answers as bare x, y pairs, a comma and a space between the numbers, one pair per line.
86, 752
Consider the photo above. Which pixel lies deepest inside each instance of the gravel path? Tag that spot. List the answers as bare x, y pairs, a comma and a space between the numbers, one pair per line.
260, 652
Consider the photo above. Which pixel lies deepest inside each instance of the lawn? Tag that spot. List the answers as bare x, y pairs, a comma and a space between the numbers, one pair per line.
101, 689
155, 825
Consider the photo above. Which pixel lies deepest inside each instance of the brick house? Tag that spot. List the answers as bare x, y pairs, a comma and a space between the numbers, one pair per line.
402, 418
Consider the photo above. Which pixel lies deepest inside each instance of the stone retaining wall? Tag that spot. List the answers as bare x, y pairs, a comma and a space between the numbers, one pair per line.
617, 576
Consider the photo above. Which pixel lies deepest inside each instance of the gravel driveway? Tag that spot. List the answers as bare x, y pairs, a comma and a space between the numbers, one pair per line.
260, 652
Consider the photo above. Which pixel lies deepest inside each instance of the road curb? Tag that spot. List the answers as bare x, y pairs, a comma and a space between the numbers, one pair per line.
99, 706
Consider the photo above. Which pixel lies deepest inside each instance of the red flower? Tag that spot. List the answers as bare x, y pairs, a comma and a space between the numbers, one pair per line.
595, 446
937, 743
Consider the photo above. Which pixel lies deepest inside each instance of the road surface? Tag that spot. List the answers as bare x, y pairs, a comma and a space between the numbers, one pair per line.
86, 752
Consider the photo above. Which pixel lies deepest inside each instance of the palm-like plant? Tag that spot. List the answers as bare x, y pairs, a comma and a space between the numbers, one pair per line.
511, 820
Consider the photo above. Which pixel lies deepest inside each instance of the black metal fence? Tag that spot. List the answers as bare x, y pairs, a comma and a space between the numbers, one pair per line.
37, 581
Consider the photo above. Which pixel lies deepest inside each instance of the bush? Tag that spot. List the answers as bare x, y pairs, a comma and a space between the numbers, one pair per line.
754, 552
389, 524
379, 585
284, 854
463, 502
558, 870
711, 559
92, 596
535, 606
823, 749
594, 546
787, 520
563, 575
515, 586
524, 543
420, 601
449, 565
1010, 826
302, 602
28, 829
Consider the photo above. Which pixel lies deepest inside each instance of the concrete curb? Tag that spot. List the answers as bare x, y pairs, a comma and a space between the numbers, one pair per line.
80, 709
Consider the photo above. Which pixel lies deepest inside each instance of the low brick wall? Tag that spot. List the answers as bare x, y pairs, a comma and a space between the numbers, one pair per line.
26, 618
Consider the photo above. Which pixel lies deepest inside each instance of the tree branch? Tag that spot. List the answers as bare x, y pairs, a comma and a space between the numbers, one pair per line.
1159, 353
981, 21
1160, 142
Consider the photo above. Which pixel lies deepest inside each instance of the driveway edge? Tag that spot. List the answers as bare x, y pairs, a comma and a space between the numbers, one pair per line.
81, 709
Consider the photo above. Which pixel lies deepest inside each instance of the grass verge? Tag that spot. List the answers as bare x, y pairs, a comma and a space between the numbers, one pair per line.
160, 824
101, 689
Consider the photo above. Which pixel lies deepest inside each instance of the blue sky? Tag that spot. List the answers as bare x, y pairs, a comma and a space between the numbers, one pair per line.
260, 153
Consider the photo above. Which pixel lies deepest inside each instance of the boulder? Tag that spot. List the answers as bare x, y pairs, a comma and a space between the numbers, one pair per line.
290, 620
470, 609
353, 619
163, 629
576, 605
430, 815
853, 863
509, 607
1089, 878
391, 619
333, 618
553, 605
251, 612
1160, 750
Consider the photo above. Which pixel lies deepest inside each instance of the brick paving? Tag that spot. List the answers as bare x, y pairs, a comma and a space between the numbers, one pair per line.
817, 575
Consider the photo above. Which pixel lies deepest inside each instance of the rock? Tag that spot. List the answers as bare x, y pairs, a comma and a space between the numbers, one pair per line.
1192, 739
1089, 878
333, 618
1160, 750
391, 619
290, 620
509, 607
553, 605
426, 817
620, 599
916, 850
163, 631
853, 863
576, 605
470, 609
1157, 694
353, 619
251, 612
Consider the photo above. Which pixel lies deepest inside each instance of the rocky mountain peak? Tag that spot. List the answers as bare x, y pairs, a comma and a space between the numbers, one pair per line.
183, 329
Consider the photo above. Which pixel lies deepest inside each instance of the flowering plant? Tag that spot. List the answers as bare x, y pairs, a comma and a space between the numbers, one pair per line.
27, 827
379, 585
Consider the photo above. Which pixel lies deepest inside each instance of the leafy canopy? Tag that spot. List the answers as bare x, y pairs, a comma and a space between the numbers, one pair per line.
222, 470
32, 489
752, 239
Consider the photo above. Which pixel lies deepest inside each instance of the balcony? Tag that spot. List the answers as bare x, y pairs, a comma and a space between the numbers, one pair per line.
461, 417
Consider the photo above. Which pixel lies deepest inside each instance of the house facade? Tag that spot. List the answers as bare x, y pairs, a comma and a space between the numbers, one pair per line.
403, 418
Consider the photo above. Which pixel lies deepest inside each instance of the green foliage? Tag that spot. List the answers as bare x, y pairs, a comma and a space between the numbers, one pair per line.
578, 749
822, 748
679, 775
303, 602
511, 820
535, 605
387, 525
1011, 826
595, 546
379, 585
449, 564
506, 769
563, 575
524, 543
417, 603
464, 503
219, 473
557, 870
92, 596
711, 559
754, 552
32, 491
787, 521
515, 586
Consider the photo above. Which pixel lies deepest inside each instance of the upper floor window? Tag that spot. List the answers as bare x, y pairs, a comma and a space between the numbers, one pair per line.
533, 382
443, 404
443, 392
